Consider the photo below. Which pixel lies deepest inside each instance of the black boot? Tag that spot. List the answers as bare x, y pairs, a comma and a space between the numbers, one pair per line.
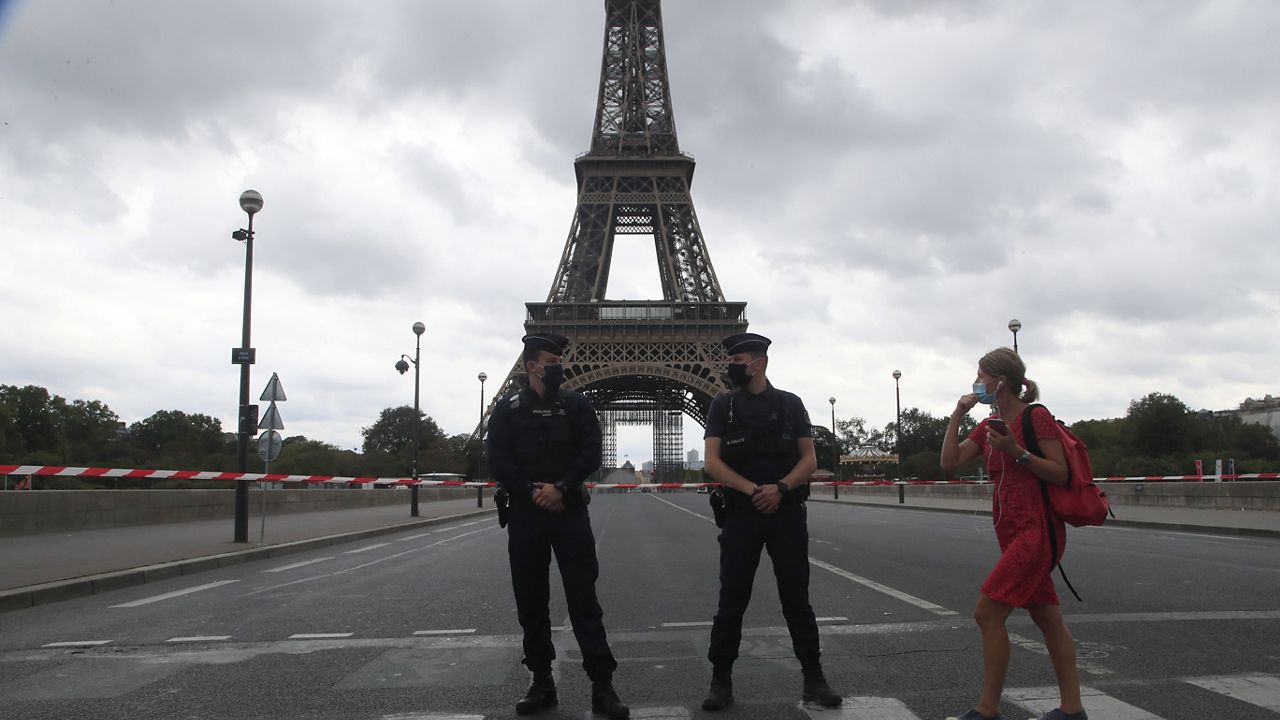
816, 690
541, 695
604, 701
720, 696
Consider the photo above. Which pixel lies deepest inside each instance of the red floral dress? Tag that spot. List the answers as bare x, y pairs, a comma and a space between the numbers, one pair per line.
1022, 576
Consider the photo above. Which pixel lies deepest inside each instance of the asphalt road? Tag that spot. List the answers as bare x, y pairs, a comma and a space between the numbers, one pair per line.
421, 626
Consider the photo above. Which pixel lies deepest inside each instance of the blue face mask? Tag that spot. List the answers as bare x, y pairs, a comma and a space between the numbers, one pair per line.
984, 397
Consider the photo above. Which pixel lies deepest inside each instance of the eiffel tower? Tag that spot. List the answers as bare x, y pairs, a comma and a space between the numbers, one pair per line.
640, 362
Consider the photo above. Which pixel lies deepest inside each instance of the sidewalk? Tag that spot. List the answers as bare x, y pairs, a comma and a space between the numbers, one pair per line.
1264, 523
39, 569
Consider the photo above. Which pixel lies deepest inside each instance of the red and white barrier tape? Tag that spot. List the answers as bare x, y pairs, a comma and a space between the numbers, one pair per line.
64, 471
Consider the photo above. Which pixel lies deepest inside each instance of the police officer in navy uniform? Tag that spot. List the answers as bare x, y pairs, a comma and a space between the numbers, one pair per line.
544, 442
759, 447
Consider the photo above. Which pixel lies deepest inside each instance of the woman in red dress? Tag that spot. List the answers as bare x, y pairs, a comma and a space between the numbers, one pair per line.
1021, 578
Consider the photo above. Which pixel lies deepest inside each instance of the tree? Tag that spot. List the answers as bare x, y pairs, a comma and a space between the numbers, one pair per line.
92, 432
1159, 424
172, 437
391, 436
36, 423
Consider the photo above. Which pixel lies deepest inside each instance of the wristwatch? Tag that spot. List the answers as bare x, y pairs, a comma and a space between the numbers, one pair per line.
564, 489
782, 487
1024, 458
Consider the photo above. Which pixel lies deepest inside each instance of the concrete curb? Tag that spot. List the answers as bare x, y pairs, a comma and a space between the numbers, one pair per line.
45, 593
1181, 527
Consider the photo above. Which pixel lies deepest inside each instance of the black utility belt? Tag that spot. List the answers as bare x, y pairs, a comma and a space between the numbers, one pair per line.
737, 500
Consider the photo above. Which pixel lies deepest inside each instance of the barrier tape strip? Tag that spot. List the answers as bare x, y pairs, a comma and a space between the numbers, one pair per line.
65, 471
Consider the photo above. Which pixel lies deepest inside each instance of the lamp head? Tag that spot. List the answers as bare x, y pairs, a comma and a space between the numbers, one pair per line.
832, 400
482, 377
419, 328
402, 366
897, 374
1015, 325
250, 201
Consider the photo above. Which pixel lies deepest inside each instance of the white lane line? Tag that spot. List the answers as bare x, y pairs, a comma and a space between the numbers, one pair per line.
319, 636
862, 708
465, 631
1039, 648
174, 594
430, 716
411, 550
837, 618
896, 594
367, 547
199, 638
76, 643
413, 537
700, 516
282, 568
696, 623
559, 628
1097, 704
1260, 690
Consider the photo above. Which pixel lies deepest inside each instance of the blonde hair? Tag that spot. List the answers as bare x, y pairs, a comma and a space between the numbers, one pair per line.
1005, 363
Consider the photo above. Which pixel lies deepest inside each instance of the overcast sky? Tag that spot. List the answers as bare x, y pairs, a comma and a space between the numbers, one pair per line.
885, 183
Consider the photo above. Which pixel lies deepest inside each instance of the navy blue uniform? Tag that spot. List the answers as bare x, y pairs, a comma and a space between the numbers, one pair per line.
759, 437
555, 441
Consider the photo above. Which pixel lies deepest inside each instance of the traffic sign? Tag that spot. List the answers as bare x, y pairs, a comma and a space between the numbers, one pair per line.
244, 356
274, 391
271, 420
269, 444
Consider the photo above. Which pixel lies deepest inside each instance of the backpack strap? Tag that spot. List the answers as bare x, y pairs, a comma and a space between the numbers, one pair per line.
1033, 445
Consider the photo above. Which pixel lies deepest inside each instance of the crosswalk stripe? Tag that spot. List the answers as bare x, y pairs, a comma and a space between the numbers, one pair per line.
319, 636
1260, 690
76, 643
199, 638
862, 708
1098, 704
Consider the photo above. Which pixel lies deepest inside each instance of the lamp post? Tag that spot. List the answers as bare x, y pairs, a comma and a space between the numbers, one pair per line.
480, 436
1014, 326
897, 431
403, 367
835, 450
247, 421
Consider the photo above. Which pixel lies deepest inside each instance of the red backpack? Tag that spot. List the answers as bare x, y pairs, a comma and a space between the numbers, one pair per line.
1080, 502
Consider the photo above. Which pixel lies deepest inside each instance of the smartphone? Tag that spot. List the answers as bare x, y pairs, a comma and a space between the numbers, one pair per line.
998, 425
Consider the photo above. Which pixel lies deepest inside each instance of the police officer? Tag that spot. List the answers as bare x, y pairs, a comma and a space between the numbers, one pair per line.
543, 444
759, 447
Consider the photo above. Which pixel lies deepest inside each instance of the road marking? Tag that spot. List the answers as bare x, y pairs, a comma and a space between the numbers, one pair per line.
695, 623
199, 638
1097, 704
862, 708
1039, 648
282, 568
431, 716
700, 516
174, 594
319, 636
1260, 690
837, 618
413, 537
444, 632
655, 713
410, 550
366, 548
897, 594
76, 643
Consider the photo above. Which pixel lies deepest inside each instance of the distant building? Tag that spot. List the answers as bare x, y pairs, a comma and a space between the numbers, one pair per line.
1265, 412
692, 462
647, 467
692, 455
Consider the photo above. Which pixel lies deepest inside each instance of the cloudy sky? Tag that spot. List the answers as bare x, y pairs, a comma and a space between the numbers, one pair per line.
886, 183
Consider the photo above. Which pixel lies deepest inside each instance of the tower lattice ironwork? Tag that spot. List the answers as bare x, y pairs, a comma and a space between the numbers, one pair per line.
639, 362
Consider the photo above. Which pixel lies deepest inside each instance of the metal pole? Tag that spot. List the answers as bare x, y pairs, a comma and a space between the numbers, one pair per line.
417, 427
242, 449
897, 434
835, 452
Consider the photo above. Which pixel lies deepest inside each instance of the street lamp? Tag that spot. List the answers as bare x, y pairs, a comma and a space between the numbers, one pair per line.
1014, 326
247, 420
480, 434
897, 433
835, 450
403, 367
